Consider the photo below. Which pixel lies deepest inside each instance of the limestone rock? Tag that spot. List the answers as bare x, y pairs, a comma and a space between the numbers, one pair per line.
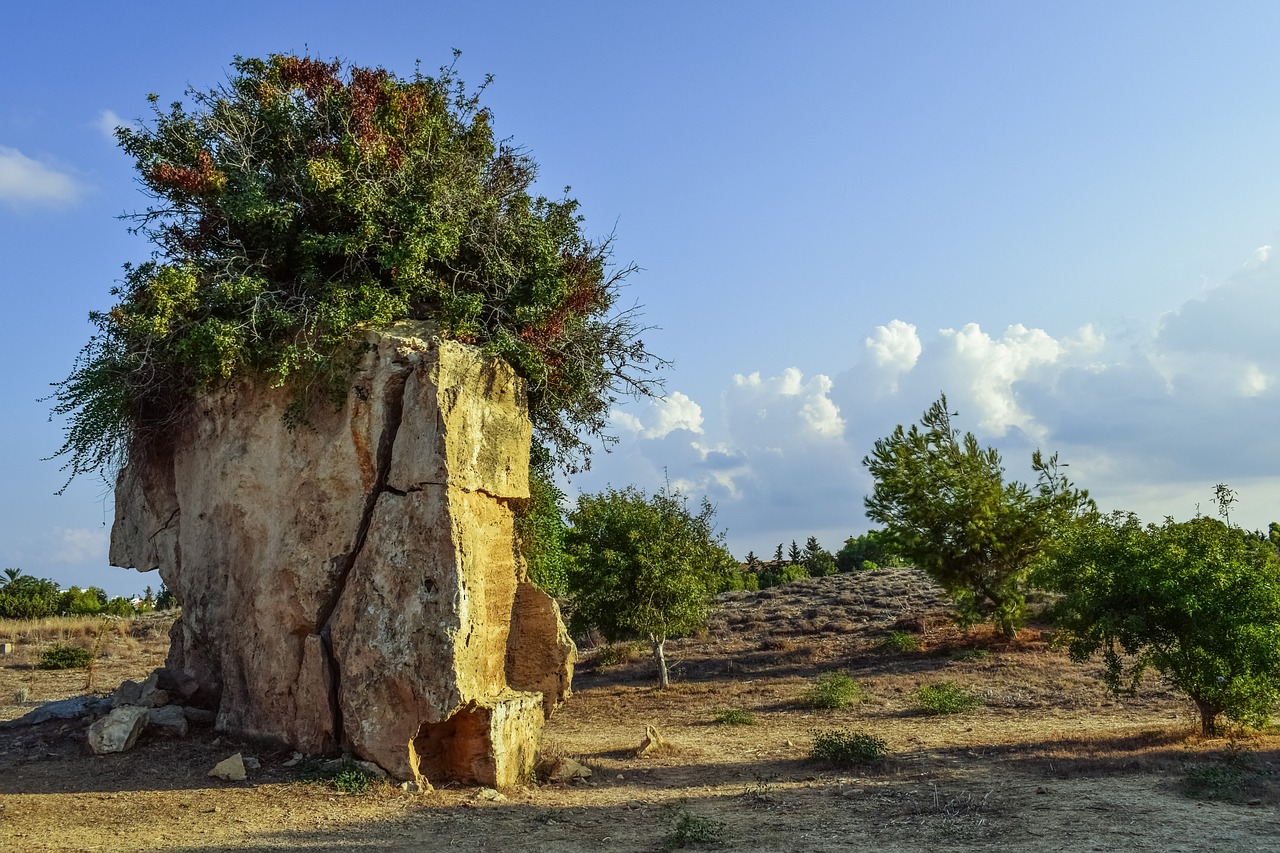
118, 731
230, 769
126, 694
354, 585
168, 720
563, 770
652, 742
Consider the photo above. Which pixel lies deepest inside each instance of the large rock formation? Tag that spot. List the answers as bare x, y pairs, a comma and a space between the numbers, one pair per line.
352, 583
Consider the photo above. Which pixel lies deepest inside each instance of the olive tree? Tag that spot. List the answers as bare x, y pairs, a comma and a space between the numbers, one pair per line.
1198, 601
947, 509
644, 566
300, 202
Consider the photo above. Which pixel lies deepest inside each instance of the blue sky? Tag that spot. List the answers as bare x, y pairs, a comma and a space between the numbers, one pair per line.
1060, 214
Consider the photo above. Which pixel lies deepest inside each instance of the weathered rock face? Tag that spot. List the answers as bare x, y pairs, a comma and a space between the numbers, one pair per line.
354, 583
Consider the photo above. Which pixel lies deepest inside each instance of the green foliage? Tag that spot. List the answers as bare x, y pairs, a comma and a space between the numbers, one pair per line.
900, 641
615, 653
165, 599
970, 655
947, 509
776, 574
832, 691
690, 829
299, 203
946, 697
868, 551
27, 597
351, 780
1198, 601
817, 561
848, 748
540, 530
735, 717
65, 657
643, 566
82, 602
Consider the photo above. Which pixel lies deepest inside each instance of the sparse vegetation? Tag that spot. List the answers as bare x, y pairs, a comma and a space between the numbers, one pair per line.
691, 829
946, 697
848, 748
65, 657
900, 641
970, 655
735, 717
351, 780
832, 691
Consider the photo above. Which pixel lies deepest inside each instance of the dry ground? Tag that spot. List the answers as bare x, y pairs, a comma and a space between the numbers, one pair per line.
1050, 762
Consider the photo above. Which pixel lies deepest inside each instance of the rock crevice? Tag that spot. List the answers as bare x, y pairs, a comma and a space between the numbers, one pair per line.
354, 584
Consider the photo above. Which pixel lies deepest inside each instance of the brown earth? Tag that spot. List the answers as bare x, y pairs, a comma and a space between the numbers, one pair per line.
1049, 762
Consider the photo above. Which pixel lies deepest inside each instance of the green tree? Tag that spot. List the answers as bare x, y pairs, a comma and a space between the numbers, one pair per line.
870, 547
299, 203
644, 566
777, 554
1198, 601
818, 561
947, 509
27, 597
794, 556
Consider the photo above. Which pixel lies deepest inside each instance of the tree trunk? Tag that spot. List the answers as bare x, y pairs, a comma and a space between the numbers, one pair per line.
658, 655
1208, 718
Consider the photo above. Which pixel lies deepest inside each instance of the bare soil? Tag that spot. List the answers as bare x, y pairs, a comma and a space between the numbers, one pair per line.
1048, 762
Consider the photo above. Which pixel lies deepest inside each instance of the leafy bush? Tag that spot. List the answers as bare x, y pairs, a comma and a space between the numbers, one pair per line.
969, 655
615, 653
1197, 601
735, 717
832, 691
868, 551
65, 657
692, 829
351, 780
848, 748
946, 698
900, 641
299, 203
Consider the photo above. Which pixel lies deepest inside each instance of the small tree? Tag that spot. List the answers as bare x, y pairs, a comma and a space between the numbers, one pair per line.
947, 509
644, 566
818, 560
1199, 601
540, 530
871, 547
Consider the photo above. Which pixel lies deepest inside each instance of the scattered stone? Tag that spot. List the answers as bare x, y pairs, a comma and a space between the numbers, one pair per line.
198, 715
294, 760
63, 709
176, 682
652, 742
563, 770
150, 695
411, 787
230, 769
252, 763
168, 720
117, 731
490, 795
127, 693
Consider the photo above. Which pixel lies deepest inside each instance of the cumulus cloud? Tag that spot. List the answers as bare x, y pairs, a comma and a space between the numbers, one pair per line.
78, 545
25, 181
108, 121
1148, 421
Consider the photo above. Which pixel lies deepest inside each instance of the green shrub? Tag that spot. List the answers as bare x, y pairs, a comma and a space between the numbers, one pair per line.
967, 655
946, 698
1213, 782
832, 691
614, 654
65, 657
735, 717
900, 641
692, 829
869, 566
848, 748
351, 780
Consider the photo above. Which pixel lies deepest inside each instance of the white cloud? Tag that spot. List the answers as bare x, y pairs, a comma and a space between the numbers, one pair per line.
672, 412
786, 402
27, 181
895, 347
79, 545
108, 121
